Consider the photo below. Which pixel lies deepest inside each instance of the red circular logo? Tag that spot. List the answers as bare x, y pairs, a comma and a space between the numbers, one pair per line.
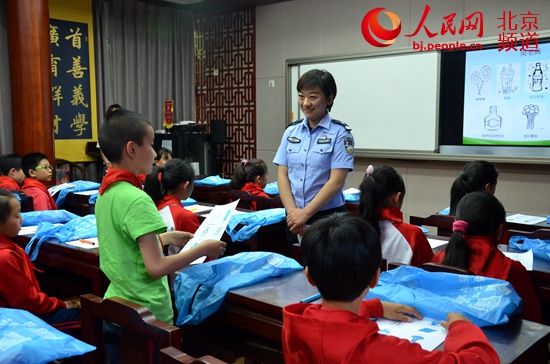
371, 28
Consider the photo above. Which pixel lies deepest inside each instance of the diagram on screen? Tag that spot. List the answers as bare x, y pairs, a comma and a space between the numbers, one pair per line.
493, 121
537, 77
480, 77
509, 83
530, 111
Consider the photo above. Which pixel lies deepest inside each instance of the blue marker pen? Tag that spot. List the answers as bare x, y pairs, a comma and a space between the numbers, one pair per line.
315, 297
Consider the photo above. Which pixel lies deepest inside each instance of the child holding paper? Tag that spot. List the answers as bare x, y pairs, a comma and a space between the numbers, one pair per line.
342, 257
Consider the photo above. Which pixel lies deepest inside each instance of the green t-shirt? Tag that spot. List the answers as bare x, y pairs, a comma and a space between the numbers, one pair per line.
123, 214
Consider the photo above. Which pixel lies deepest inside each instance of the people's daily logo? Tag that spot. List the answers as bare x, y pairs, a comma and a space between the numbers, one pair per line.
377, 35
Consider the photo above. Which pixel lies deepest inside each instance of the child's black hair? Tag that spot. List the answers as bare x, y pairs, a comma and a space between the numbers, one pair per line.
376, 189
247, 171
9, 161
164, 153
484, 214
342, 253
474, 177
120, 127
5, 211
168, 177
31, 161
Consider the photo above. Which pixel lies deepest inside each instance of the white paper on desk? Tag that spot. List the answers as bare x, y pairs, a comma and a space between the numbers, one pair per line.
79, 244
525, 258
426, 332
54, 189
197, 209
212, 227
434, 243
525, 219
86, 193
31, 230
351, 191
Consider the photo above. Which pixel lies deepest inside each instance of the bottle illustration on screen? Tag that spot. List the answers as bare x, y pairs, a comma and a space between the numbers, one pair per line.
537, 78
481, 76
493, 121
530, 111
507, 79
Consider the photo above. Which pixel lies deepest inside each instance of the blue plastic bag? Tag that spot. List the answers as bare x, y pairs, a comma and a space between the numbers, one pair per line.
77, 228
485, 301
271, 188
200, 289
212, 181
541, 248
24, 338
76, 186
34, 218
252, 221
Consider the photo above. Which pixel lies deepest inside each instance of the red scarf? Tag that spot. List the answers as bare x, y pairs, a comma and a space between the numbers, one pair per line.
9, 184
28, 266
114, 175
31, 182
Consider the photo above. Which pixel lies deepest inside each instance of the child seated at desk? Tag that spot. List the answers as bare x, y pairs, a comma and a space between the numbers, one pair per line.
12, 175
163, 155
250, 175
382, 194
475, 176
479, 227
342, 258
168, 186
38, 171
18, 286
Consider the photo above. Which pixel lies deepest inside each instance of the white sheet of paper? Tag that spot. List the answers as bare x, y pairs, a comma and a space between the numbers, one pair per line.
87, 193
434, 243
525, 258
212, 227
198, 208
351, 190
31, 230
54, 189
79, 244
426, 332
525, 219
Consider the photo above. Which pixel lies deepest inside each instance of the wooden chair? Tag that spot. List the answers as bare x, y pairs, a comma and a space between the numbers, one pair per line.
172, 355
76, 171
142, 334
26, 201
443, 223
543, 234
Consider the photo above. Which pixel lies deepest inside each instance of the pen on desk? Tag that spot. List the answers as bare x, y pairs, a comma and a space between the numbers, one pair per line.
86, 241
311, 298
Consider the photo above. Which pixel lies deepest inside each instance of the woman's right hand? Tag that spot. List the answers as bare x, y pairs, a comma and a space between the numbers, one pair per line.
213, 248
452, 317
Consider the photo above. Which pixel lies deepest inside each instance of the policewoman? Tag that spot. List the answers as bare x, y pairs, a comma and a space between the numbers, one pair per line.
314, 157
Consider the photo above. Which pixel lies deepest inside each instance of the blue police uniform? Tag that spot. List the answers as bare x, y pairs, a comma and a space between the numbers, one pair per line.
310, 155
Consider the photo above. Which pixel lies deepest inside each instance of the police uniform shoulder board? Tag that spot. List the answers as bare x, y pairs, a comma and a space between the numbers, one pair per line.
295, 123
346, 126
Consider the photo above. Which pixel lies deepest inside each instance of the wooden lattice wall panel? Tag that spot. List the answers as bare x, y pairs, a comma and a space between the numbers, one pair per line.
225, 80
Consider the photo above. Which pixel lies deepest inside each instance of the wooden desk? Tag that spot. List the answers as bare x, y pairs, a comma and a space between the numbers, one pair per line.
255, 313
68, 270
78, 204
208, 194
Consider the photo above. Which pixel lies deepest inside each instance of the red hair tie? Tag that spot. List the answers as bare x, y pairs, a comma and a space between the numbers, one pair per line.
461, 226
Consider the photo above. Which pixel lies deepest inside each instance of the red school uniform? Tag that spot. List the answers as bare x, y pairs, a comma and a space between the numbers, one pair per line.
41, 198
9, 184
254, 190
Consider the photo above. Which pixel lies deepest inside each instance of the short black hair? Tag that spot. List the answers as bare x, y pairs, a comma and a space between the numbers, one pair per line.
9, 161
321, 78
5, 211
168, 177
474, 177
118, 129
164, 153
31, 161
342, 253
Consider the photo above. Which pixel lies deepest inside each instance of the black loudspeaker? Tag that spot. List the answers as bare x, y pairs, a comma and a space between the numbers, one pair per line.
218, 131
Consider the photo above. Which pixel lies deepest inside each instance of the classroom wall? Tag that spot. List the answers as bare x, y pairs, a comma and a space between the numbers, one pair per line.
313, 28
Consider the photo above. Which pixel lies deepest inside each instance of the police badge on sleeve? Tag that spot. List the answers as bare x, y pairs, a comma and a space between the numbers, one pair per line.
348, 144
